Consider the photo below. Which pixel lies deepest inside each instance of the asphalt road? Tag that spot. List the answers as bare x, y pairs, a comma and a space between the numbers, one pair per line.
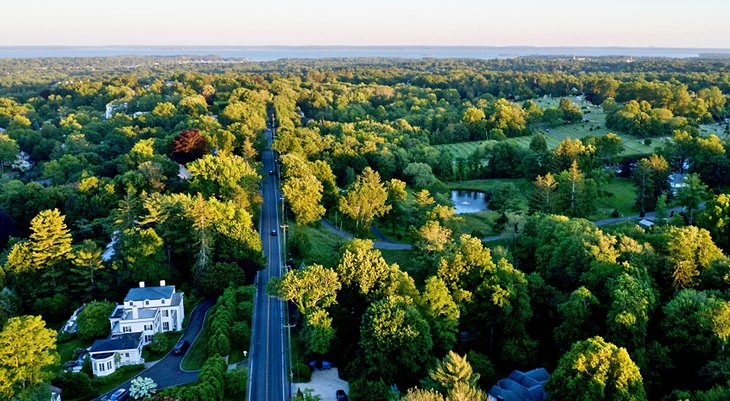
268, 373
167, 372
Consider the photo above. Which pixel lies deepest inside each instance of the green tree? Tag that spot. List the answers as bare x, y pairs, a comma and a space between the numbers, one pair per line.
8, 151
544, 196
27, 349
443, 313
632, 301
310, 289
93, 321
692, 194
716, 219
651, 178
318, 332
365, 200
50, 239
397, 197
577, 314
690, 250
304, 195
395, 338
594, 369
450, 371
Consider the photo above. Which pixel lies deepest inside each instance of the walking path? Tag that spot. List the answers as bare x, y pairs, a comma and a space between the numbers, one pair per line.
386, 244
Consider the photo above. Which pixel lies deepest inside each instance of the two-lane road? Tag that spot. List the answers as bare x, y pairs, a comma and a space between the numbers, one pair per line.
267, 362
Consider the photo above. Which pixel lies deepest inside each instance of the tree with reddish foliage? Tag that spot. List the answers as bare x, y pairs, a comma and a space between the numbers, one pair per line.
188, 146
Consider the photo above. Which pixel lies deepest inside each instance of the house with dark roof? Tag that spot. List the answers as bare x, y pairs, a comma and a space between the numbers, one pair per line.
109, 354
520, 386
149, 310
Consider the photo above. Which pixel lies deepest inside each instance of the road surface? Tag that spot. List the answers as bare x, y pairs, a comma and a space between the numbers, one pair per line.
269, 375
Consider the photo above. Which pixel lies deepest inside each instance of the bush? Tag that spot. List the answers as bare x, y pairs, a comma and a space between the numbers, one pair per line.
647, 141
75, 385
302, 373
236, 382
161, 343
93, 321
615, 213
220, 276
116, 376
366, 390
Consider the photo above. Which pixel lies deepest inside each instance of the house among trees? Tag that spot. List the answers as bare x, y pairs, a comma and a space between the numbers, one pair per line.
520, 386
149, 310
109, 354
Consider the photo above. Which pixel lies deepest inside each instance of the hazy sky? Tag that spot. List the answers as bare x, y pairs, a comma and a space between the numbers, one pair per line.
665, 23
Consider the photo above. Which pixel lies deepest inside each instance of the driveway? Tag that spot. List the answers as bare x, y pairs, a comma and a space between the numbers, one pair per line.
167, 371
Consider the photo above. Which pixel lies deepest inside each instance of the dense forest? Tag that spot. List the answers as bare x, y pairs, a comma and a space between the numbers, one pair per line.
158, 160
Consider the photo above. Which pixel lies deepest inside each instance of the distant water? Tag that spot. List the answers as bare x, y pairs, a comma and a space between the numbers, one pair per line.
468, 201
268, 53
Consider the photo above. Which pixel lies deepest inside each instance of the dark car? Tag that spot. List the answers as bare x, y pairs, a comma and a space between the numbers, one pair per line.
320, 365
271, 172
181, 347
120, 395
341, 396
273, 233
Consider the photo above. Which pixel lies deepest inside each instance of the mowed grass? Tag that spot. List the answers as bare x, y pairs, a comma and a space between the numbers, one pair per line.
322, 246
488, 185
620, 195
594, 124
198, 352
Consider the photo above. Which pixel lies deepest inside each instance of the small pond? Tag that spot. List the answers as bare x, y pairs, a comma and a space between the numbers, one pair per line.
469, 201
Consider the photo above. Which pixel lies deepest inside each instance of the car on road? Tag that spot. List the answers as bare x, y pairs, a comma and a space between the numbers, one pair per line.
320, 365
120, 395
271, 172
181, 347
341, 396
273, 233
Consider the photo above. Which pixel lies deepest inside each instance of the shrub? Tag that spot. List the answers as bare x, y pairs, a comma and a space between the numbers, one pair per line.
93, 321
74, 385
235, 383
302, 373
366, 390
647, 141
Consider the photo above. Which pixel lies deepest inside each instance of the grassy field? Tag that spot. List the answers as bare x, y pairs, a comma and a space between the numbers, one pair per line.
595, 124
171, 337
198, 352
322, 246
619, 194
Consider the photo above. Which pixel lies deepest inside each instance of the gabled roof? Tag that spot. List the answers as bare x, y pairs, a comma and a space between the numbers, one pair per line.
140, 294
118, 343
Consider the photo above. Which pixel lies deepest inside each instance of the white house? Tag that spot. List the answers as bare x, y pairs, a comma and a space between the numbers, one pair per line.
109, 354
149, 310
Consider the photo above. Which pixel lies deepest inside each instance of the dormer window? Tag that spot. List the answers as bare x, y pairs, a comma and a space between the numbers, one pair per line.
131, 303
163, 301
146, 302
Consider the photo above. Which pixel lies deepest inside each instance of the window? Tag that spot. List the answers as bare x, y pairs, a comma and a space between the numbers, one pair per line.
165, 326
131, 303
126, 329
146, 302
101, 367
165, 313
148, 327
147, 338
126, 354
163, 301
109, 365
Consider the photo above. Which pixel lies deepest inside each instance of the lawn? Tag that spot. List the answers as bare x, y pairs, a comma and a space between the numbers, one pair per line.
478, 225
488, 185
198, 352
595, 125
170, 338
321, 247
620, 196
66, 350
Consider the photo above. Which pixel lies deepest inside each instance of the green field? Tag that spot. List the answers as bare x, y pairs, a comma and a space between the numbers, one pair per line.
595, 125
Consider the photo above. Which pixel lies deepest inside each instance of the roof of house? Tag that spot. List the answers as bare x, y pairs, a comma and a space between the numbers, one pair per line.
521, 386
140, 294
118, 343
176, 298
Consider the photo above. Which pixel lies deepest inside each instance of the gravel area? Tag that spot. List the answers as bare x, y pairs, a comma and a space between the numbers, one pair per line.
324, 383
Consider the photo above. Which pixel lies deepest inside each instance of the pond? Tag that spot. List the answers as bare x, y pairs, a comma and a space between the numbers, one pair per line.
468, 201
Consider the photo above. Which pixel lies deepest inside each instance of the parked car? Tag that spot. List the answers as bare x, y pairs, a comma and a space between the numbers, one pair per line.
273, 233
341, 396
271, 172
120, 395
320, 365
181, 347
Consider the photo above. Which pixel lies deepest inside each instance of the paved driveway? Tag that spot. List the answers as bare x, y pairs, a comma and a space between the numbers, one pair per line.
167, 372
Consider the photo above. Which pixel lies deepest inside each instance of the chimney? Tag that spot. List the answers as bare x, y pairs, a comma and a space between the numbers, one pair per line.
135, 313
141, 284
162, 283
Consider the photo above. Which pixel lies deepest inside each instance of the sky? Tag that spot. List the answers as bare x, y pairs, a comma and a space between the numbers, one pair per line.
631, 23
